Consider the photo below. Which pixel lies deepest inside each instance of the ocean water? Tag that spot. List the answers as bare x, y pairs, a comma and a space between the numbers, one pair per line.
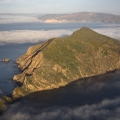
47, 26
15, 38
8, 70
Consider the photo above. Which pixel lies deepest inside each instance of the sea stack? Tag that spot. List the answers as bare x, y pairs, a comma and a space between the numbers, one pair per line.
5, 60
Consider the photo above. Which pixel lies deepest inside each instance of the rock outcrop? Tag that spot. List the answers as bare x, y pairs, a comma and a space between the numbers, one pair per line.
59, 61
5, 60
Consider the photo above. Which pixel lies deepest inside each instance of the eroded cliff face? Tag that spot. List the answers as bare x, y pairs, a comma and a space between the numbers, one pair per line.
59, 61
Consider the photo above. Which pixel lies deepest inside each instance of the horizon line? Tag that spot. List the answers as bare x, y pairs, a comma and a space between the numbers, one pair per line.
57, 13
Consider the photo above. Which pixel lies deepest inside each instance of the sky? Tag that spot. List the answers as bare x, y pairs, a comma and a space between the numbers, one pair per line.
59, 6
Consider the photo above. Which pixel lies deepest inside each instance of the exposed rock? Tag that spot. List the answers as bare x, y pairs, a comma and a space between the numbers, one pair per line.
5, 60
59, 61
3, 103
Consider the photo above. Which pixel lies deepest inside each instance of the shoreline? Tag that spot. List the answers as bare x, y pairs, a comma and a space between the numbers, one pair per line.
6, 101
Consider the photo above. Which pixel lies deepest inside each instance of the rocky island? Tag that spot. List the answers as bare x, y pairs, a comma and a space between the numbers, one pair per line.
59, 61
5, 60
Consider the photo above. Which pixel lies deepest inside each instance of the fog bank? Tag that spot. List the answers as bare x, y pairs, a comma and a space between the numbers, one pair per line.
35, 36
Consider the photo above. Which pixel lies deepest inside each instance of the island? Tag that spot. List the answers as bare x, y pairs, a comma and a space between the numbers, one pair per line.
59, 61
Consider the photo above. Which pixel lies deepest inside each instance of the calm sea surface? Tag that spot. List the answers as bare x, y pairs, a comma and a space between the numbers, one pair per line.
47, 26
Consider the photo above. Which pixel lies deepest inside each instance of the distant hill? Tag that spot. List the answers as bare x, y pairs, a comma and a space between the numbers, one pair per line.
59, 61
79, 17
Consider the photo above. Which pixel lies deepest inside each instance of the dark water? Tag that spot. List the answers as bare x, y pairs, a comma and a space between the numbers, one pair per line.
93, 98
8, 70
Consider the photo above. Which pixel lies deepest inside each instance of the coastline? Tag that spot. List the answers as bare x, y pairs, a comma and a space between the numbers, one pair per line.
6, 101
40, 100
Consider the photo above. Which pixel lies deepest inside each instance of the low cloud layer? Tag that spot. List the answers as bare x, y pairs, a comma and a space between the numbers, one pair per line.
94, 98
99, 111
111, 32
34, 36
31, 36
5, 1
9, 1
16, 18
